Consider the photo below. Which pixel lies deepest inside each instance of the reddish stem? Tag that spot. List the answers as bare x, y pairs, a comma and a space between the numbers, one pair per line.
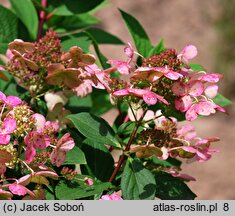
42, 18
122, 158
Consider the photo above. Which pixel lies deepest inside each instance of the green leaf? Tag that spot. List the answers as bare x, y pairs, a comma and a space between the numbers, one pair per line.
100, 56
222, 101
75, 156
100, 97
73, 190
8, 30
137, 182
3, 46
99, 159
70, 7
197, 67
172, 188
103, 37
77, 104
157, 49
27, 13
71, 23
140, 37
94, 128
80, 40
167, 163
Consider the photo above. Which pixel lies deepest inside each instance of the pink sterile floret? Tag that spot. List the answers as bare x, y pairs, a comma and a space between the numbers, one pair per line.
8, 126
189, 52
122, 66
18, 189
148, 96
65, 144
113, 196
10, 100
35, 140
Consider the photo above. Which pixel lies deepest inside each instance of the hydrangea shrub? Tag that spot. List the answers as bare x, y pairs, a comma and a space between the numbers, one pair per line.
53, 90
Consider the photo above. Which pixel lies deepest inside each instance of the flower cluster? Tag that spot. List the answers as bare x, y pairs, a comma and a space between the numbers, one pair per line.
30, 142
169, 79
166, 80
43, 66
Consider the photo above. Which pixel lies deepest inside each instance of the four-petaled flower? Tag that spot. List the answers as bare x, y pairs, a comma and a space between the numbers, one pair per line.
65, 144
6, 128
148, 96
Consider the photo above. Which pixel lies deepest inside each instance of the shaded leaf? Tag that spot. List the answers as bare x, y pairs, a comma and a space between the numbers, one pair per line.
103, 60
70, 7
8, 30
137, 182
100, 97
103, 37
75, 191
172, 188
27, 13
77, 104
99, 159
73, 22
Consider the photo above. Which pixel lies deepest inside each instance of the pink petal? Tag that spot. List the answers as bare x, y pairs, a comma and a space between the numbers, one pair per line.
162, 99
211, 91
4, 139
191, 113
115, 196
183, 104
18, 189
105, 197
189, 149
37, 139
84, 88
205, 108
129, 51
120, 93
89, 181
212, 78
122, 66
66, 143
9, 125
173, 75
150, 98
138, 92
185, 129
189, 52
58, 157
179, 88
13, 101
29, 154
2, 97
221, 109
39, 121
195, 88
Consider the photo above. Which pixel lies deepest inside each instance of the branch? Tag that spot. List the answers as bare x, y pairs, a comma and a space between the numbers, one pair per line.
122, 158
42, 18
